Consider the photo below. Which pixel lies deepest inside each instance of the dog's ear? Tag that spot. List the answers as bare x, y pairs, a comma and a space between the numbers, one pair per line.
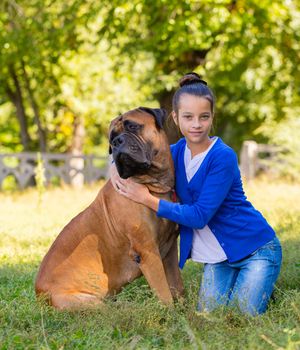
159, 114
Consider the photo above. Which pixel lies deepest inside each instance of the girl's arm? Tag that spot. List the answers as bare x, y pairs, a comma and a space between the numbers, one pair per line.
215, 189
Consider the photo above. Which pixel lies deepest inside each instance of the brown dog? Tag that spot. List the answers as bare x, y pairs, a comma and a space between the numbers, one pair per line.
115, 240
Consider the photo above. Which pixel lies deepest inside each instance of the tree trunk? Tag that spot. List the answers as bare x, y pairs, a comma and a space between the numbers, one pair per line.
170, 128
190, 60
36, 113
16, 98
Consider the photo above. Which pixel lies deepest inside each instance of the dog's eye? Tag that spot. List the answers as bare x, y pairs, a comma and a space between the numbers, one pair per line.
130, 126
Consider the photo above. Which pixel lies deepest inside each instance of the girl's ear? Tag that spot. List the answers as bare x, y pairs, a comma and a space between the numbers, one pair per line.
174, 116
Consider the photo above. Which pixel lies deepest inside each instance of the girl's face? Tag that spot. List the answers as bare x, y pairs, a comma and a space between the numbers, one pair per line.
194, 118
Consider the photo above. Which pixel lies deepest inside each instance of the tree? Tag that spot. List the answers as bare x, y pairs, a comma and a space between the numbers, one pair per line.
63, 77
33, 36
248, 52
76, 64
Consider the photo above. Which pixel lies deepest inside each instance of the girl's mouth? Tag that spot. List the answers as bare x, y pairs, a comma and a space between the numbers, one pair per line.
196, 132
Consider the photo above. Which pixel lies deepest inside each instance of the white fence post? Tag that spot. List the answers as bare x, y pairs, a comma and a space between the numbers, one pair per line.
248, 159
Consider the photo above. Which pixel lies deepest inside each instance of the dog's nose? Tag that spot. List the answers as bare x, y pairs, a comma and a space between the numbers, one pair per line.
118, 141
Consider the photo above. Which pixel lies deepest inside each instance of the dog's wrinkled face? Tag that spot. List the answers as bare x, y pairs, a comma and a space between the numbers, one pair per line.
134, 139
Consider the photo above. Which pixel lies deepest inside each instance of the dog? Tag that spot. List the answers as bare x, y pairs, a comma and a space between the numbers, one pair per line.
115, 240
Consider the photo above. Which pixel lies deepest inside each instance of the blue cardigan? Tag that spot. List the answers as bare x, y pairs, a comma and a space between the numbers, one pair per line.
215, 197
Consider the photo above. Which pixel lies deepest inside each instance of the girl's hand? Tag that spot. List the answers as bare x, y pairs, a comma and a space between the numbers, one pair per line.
137, 192
128, 188
132, 190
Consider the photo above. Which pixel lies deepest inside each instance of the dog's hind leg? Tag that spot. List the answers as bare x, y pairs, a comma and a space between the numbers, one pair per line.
74, 301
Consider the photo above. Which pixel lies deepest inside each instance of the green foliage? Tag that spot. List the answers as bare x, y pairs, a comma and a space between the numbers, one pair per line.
134, 319
34, 34
87, 60
248, 52
52, 53
92, 88
9, 130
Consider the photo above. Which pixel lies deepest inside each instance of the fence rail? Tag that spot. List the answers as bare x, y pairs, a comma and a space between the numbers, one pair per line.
79, 169
68, 168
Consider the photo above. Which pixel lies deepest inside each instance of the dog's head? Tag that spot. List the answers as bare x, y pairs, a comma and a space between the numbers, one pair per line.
135, 140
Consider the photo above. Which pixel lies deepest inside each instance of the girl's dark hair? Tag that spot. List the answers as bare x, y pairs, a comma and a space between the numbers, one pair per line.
192, 84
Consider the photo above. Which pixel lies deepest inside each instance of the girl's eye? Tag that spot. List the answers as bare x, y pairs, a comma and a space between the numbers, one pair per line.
205, 117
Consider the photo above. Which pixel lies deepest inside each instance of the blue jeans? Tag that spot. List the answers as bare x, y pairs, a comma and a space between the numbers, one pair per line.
247, 283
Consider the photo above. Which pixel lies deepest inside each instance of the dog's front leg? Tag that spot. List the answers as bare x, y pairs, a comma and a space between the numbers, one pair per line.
172, 271
150, 263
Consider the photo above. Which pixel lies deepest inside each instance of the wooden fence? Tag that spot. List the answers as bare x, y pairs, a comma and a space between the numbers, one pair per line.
79, 169
67, 168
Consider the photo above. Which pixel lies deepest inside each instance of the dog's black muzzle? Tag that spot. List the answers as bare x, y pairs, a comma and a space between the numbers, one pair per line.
131, 155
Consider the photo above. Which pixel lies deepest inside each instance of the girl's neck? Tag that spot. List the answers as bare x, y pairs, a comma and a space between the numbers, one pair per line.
197, 148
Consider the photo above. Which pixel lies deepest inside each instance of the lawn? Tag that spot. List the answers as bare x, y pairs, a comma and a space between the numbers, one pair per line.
135, 319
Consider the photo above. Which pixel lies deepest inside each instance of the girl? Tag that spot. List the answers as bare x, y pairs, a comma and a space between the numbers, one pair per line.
218, 226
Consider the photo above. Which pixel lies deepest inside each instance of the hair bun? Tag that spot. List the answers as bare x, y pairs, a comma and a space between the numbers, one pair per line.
191, 78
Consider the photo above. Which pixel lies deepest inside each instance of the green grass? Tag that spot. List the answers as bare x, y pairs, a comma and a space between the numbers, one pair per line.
135, 319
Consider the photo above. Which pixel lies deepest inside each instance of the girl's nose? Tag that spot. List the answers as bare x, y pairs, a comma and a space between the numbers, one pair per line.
197, 124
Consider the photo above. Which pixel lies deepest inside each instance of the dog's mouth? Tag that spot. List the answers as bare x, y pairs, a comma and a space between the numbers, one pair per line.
127, 166
131, 155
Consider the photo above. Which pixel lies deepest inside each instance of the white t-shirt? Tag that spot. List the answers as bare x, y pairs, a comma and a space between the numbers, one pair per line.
206, 248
